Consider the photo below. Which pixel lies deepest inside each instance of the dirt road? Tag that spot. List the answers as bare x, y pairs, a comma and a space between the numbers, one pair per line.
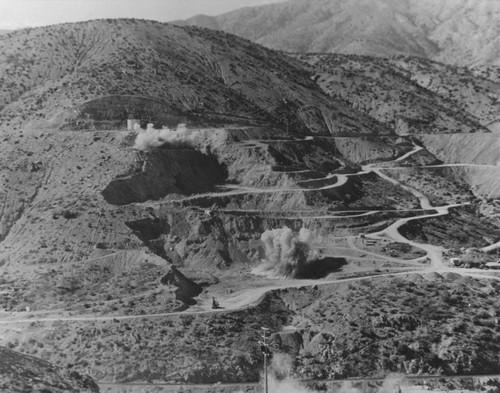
251, 296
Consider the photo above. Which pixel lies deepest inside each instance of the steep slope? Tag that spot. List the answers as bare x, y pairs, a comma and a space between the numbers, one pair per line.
114, 242
481, 152
415, 96
388, 91
158, 73
22, 373
452, 31
475, 90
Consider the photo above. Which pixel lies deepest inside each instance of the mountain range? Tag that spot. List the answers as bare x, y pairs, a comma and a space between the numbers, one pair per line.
460, 32
322, 196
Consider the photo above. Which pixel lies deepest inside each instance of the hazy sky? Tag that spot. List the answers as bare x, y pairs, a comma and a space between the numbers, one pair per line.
30, 13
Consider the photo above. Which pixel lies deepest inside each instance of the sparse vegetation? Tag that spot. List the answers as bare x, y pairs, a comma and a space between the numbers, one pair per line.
109, 238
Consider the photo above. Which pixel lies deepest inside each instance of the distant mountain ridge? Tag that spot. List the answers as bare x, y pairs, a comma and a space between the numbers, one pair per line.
463, 32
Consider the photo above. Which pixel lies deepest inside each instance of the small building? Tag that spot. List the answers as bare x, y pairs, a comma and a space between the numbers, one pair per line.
131, 124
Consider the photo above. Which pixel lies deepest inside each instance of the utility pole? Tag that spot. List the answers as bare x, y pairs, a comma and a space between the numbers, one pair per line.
264, 347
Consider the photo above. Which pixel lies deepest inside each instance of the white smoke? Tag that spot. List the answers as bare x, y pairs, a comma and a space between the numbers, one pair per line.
280, 380
285, 251
181, 136
287, 386
282, 365
391, 384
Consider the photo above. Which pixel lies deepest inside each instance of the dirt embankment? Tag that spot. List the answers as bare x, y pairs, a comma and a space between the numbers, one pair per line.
483, 149
480, 151
362, 150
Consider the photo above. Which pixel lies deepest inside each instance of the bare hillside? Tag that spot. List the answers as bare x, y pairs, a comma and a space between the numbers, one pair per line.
452, 31
155, 255
59, 76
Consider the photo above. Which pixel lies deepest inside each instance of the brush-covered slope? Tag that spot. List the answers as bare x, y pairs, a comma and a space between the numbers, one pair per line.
473, 89
96, 74
23, 373
442, 104
410, 95
452, 31
111, 251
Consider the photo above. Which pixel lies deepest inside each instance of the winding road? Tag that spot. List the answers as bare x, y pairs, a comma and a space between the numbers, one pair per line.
249, 297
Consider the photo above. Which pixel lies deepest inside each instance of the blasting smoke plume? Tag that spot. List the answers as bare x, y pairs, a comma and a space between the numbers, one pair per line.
280, 380
286, 252
151, 138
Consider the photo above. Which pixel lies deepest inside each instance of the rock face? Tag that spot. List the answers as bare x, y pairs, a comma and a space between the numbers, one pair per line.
426, 29
21, 373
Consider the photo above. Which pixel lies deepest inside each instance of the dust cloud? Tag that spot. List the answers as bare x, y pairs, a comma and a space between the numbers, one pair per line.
280, 380
181, 136
285, 252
